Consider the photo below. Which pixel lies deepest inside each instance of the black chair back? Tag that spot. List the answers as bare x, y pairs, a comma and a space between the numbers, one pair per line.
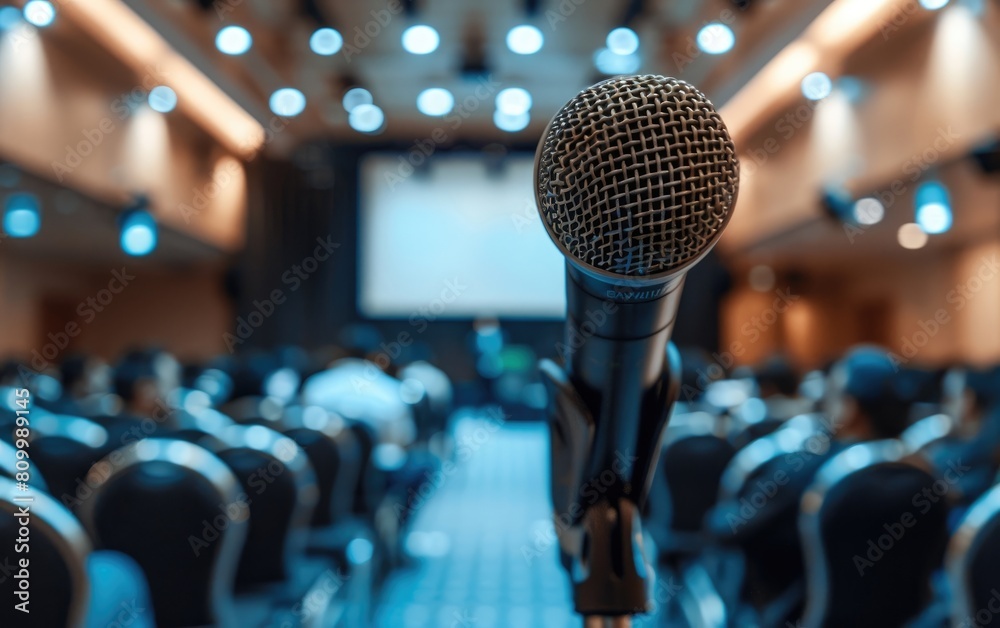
973, 559
55, 576
333, 455
63, 449
872, 538
280, 489
176, 509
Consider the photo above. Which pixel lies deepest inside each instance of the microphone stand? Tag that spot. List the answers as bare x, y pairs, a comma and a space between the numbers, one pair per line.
600, 531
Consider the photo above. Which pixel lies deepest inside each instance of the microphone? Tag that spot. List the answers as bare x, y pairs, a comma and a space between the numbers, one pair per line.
635, 180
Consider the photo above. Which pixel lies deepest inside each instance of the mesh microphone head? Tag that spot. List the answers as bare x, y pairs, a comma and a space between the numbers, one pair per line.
636, 177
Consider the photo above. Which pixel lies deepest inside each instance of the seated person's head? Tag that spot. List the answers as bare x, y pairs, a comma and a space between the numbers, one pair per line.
776, 377
861, 398
143, 379
83, 375
969, 394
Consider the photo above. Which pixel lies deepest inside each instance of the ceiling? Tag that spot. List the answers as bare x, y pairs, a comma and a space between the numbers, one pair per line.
472, 35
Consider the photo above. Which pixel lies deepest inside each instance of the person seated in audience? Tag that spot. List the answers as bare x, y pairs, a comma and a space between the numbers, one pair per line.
143, 381
86, 384
779, 388
862, 401
972, 399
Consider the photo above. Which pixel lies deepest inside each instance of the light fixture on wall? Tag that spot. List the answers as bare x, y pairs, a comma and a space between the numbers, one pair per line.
139, 232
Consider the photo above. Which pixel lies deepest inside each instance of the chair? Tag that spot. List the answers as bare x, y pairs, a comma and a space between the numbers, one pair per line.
757, 514
279, 486
872, 538
692, 467
63, 449
334, 456
972, 559
177, 510
58, 587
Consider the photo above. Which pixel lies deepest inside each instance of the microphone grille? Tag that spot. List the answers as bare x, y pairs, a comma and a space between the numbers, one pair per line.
636, 176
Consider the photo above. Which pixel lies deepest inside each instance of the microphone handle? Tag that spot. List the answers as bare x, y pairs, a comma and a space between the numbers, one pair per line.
618, 363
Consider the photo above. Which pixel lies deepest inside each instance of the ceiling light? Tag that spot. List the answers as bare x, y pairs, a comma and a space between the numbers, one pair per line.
233, 40
326, 42
623, 41
612, 64
511, 122
139, 233
366, 118
933, 212
911, 236
41, 13
357, 96
816, 86
868, 211
715, 38
21, 218
525, 40
420, 39
513, 101
435, 101
287, 102
162, 99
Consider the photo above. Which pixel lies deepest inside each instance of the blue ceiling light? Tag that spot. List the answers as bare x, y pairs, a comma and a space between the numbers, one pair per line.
525, 39
623, 41
326, 42
233, 40
357, 96
40, 13
162, 99
513, 101
366, 118
816, 86
287, 102
511, 122
607, 62
139, 233
435, 101
715, 38
420, 39
21, 217
933, 207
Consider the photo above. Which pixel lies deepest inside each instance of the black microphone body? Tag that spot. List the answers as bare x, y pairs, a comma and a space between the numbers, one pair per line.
617, 361
635, 180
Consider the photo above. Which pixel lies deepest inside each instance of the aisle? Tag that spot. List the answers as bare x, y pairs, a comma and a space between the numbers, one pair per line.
476, 533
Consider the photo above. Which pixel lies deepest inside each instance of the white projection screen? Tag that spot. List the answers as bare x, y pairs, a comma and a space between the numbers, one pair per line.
455, 239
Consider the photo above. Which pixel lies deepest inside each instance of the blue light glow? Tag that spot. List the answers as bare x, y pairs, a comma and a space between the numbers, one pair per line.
287, 102
139, 233
623, 41
513, 101
933, 208
233, 40
435, 101
162, 99
525, 40
715, 38
41, 13
357, 96
366, 118
612, 64
511, 122
816, 86
21, 218
326, 42
9, 18
420, 39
